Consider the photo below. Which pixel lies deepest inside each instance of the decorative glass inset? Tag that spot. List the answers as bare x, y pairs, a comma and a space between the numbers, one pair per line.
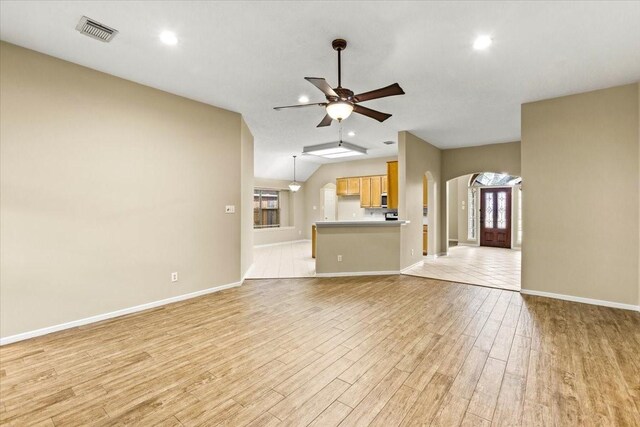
502, 210
473, 211
490, 179
488, 210
520, 215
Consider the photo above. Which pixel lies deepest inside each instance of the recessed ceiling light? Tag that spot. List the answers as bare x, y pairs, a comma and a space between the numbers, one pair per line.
482, 42
303, 99
352, 133
169, 38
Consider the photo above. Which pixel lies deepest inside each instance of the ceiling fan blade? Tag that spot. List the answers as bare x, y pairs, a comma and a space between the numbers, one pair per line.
300, 105
322, 85
390, 90
381, 117
326, 121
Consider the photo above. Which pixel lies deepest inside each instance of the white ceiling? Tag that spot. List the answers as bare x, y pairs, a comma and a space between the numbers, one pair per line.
251, 56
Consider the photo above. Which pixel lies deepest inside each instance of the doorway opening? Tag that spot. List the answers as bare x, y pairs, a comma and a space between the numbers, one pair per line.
484, 232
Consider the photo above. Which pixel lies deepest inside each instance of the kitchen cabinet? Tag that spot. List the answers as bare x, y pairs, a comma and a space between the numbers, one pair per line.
353, 186
348, 186
376, 191
425, 239
365, 192
425, 192
341, 187
384, 184
392, 184
371, 191
313, 241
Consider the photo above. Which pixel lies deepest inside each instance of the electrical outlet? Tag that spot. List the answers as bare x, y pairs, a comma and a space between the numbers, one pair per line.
411, 252
299, 232
230, 209
174, 276
339, 258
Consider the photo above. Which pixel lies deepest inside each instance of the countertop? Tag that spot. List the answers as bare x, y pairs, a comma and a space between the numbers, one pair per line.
321, 224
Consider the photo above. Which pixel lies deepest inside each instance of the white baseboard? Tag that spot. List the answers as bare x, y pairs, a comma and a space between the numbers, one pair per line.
358, 273
288, 242
412, 265
572, 298
100, 317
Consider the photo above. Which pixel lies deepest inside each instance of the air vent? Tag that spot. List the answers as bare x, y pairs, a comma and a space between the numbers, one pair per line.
388, 142
96, 30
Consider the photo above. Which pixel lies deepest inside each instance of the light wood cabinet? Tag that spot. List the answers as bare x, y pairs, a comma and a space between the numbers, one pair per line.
353, 186
425, 239
425, 192
392, 184
376, 191
384, 184
341, 187
365, 192
313, 241
349, 186
371, 191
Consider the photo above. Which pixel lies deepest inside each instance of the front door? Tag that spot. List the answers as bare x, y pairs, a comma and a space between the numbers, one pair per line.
495, 217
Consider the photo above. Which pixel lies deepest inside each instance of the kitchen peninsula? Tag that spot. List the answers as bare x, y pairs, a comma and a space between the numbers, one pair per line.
358, 247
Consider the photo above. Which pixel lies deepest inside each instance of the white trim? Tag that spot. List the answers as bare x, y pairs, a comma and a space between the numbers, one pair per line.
105, 316
453, 240
603, 303
472, 245
246, 273
412, 265
358, 273
282, 243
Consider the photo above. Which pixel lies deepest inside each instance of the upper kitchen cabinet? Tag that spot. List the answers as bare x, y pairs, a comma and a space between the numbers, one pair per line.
392, 185
365, 192
425, 192
384, 184
348, 186
371, 191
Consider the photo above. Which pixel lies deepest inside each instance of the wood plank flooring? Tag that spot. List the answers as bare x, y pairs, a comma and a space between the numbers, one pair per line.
381, 351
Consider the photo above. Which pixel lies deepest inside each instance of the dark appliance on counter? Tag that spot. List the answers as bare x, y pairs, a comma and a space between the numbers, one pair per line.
383, 200
391, 216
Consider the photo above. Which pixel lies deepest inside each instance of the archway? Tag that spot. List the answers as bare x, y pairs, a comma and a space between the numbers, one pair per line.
468, 260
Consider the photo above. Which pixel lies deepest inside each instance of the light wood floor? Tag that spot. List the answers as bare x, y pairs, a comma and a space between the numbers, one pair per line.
384, 351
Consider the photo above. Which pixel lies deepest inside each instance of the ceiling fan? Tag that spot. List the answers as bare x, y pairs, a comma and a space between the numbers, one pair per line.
341, 102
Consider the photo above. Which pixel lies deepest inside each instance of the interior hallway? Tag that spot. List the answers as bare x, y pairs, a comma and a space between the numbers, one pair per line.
493, 267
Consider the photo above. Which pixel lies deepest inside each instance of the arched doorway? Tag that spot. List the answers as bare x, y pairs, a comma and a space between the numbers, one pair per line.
471, 258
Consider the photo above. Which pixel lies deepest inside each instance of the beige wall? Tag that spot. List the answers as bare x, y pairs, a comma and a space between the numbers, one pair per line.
328, 173
586, 145
107, 187
453, 206
415, 159
292, 215
246, 217
485, 158
363, 249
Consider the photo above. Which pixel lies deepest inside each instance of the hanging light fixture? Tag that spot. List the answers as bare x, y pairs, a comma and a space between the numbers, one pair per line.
339, 110
294, 186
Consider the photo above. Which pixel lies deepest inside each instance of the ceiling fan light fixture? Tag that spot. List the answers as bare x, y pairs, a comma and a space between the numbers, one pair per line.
339, 110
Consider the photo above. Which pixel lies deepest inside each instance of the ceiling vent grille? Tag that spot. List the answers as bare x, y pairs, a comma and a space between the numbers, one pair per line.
96, 30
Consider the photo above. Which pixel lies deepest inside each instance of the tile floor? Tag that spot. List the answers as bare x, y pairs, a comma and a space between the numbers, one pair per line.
494, 267
292, 259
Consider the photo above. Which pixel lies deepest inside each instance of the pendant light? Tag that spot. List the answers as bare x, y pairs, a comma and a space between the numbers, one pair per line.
294, 186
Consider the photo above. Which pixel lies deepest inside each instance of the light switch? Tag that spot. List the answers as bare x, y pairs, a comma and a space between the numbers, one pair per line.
230, 209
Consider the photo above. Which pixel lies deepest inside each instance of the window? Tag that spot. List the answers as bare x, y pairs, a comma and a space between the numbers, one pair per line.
519, 239
266, 208
490, 179
473, 212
